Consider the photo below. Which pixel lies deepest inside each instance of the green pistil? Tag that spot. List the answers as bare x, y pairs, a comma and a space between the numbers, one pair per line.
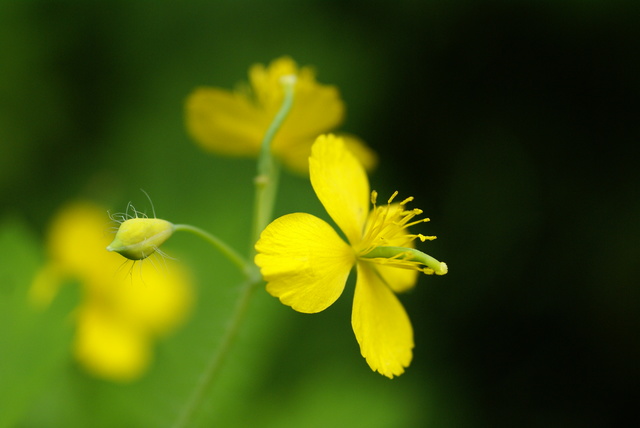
410, 255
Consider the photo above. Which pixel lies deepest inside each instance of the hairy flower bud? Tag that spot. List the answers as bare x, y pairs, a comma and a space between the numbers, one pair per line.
138, 238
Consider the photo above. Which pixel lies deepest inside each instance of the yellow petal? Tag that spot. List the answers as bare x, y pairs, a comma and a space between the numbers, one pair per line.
266, 82
225, 122
367, 157
398, 279
316, 109
341, 184
304, 261
296, 155
108, 348
155, 296
77, 239
381, 324
76, 234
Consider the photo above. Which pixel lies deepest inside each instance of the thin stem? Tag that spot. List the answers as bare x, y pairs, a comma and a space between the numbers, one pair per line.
210, 373
288, 82
266, 181
226, 250
266, 186
264, 201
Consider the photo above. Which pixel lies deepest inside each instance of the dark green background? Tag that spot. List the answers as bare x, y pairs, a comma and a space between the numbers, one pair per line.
513, 123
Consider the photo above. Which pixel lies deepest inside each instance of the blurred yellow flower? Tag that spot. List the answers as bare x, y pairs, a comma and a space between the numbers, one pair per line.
123, 308
234, 123
306, 263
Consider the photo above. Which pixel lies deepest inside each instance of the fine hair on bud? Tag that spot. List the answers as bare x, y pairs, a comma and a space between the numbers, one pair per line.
139, 236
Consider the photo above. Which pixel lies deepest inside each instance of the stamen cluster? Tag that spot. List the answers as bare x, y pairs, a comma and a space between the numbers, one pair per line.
388, 224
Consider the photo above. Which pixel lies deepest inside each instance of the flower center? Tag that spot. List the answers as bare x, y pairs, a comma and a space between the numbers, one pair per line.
386, 239
388, 225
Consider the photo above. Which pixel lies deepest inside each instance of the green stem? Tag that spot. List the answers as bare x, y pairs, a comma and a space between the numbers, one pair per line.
266, 181
264, 201
209, 375
226, 250
266, 186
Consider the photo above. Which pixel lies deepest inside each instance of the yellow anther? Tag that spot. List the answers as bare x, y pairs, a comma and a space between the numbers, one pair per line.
406, 201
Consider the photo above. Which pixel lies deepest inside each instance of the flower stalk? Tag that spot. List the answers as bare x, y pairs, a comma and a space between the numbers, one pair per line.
266, 186
209, 375
266, 181
220, 245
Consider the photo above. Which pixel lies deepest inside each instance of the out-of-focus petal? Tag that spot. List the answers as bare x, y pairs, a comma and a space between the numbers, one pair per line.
317, 109
296, 156
78, 236
108, 348
225, 122
304, 261
367, 157
154, 297
341, 184
266, 82
398, 279
381, 324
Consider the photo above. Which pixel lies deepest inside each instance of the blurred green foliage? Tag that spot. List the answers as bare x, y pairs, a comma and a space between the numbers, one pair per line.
34, 343
512, 123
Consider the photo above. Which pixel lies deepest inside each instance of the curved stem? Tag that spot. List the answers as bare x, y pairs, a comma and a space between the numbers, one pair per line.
226, 250
288, 83
266, 186
266, 181
212, 369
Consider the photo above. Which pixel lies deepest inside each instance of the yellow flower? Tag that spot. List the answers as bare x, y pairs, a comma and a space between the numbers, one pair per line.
234, 123
306, 263
123, 309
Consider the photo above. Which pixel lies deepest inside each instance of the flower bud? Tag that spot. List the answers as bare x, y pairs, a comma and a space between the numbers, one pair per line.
138, 238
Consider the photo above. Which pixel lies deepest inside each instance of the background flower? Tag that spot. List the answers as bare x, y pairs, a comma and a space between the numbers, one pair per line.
125, 306
234, 123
